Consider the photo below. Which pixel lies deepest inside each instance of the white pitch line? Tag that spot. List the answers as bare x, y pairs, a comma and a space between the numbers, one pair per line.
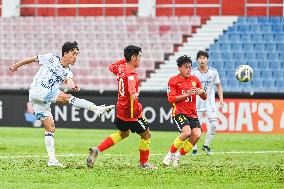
123, 155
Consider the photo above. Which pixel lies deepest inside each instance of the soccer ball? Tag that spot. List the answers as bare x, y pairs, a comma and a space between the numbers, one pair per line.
244, 73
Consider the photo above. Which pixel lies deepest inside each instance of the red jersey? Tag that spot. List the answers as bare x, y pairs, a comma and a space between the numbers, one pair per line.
127, 109
178, 86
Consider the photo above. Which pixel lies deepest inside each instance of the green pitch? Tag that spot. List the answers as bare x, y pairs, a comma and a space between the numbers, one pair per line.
254, 161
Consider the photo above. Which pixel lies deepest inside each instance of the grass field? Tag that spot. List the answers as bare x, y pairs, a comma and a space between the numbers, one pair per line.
250, 161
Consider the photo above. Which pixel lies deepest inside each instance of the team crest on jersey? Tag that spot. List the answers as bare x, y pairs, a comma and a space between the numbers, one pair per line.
193, 83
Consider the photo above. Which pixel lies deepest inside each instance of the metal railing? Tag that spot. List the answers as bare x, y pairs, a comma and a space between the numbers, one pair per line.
77, 6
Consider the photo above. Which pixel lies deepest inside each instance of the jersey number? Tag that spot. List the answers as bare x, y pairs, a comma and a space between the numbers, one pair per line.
121, 87
189, 98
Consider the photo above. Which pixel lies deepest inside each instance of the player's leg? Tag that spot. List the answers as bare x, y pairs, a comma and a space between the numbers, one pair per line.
43, 113
141, 127
212, 117
195, 147
63, 98
122, 133
189, 143
182, 124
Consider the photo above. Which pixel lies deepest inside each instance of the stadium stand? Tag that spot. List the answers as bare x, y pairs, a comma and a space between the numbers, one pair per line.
101, 41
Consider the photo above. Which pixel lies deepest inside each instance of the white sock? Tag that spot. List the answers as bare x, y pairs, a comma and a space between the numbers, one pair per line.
177, 154
49, 144
195, 147
211, 132
82, 103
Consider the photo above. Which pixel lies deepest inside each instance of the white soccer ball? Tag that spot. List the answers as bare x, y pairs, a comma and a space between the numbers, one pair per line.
244, 73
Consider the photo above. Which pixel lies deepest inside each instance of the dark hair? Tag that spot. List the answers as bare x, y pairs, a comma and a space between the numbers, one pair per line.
183, 60
202, 53
69, 46
131, 50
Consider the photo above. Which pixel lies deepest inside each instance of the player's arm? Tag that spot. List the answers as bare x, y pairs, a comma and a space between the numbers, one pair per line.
15, 66
220, 94
114, 66
71, 85
200, 91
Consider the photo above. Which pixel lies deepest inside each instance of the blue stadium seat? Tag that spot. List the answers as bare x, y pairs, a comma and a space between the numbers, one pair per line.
277, 74
225, 47
279, 38
275, 65
233, 85
266, 29
249, 55
280, 48
273, 56
257, 84
218, 65
259, 47
275, 19
227, 56
265, 74
263, 20
256, 73
256, 38
271, 47
252, 19
255, 29
234, 37
216, 56
269, 85
261, 56
232, 30
263, 65
245, 38
238, 56
279, 84
230, 66
252, 63
278, 29
248, 47
268, 38
244, 29
236, 47
281, 56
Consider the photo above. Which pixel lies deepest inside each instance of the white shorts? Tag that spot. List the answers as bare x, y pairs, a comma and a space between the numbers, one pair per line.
41, 100
211, 115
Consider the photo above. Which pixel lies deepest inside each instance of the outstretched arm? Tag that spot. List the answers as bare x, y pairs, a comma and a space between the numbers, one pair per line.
15, 66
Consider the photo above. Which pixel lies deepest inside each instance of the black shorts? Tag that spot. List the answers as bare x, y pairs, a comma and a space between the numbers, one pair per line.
138, 127
182, 120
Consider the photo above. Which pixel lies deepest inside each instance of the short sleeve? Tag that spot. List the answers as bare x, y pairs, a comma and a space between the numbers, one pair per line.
216, 78
45, 58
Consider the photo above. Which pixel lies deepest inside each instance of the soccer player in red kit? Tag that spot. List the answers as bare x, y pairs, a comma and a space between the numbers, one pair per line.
182, 91
128, 109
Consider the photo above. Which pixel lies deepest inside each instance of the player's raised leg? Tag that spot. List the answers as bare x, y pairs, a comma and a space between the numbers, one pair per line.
64, 98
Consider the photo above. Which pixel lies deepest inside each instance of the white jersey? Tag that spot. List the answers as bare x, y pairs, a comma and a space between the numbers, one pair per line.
49, 77
208, 80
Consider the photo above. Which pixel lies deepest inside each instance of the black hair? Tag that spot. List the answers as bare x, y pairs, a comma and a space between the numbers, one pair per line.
69, 46
202, 53
183, 60
131, 50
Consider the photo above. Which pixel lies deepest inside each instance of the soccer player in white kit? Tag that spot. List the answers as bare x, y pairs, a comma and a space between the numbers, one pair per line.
44, 90
208, 77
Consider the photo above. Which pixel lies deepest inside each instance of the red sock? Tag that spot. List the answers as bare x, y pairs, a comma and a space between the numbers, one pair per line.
144, 155
173, 149
182, 152
108, 142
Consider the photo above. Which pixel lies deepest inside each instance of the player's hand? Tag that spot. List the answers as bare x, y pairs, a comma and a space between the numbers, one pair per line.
135, 96
75, 88
221, 104
13, 68
191, 92
199, 91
